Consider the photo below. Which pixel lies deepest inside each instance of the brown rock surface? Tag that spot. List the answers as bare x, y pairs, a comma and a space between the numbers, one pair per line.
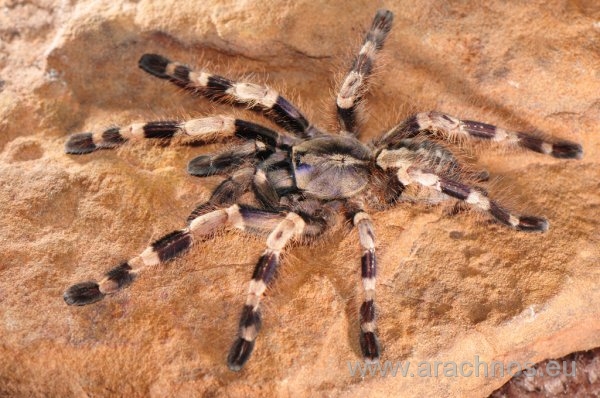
451, 286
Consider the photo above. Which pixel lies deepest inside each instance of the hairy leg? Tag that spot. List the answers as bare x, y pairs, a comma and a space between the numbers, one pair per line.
354, 85
449, 127
168, 247
250, 321
262, 99
411, 172
369, 343
205, 128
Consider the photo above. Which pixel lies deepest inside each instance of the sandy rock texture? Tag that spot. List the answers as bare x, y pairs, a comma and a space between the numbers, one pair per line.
452, 286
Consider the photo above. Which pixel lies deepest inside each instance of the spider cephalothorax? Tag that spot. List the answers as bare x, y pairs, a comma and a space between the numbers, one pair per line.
300, 179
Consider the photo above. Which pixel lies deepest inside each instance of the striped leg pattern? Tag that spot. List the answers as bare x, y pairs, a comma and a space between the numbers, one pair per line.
260, 179
409, 173
258, 98
478, 198
274, 177
451, 127
168, 247
226, 193
228, 160
206, 128
354, 85
250, 321
369, 343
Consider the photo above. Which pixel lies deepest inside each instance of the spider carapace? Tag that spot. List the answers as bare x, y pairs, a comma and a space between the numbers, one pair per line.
301, 177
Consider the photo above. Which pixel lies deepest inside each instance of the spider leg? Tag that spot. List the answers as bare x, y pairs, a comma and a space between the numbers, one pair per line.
268, 179
410, 172
226, 193
354, 85
228, 160
451, 127
262, 99
369, 343
290, 227
168, 247
264, 190
273, 179
205, 128
438, 158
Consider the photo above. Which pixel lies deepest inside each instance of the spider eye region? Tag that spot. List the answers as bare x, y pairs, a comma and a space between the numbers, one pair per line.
331, 167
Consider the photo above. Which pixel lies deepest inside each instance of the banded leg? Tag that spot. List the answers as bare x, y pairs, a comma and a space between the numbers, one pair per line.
438, 158
354, 85
250, 321
274, 178
226, 193
258, 98
228, 160
450, 128
203, 128
407, 174
168, 247
369, 343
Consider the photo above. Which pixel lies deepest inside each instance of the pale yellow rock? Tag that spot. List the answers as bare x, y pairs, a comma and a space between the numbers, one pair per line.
451, 287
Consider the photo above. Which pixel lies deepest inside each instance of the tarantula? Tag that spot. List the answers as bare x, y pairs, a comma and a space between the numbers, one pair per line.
300, 179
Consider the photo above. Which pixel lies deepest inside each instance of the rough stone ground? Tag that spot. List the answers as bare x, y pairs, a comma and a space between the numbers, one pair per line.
574, 375
451, 286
